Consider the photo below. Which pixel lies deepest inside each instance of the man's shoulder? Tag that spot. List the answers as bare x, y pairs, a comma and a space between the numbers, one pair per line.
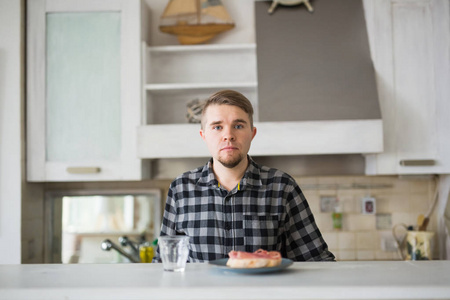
268, 172
189, 177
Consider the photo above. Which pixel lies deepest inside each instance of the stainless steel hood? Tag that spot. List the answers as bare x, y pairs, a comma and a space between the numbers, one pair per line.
315, 73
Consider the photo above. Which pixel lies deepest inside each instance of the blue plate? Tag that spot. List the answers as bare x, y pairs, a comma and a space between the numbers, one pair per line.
222, 264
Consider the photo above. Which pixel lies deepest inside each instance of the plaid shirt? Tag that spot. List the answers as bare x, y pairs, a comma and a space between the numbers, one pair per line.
267, 210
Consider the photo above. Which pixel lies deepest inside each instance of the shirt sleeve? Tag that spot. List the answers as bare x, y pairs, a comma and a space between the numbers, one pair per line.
304, 241
168, 221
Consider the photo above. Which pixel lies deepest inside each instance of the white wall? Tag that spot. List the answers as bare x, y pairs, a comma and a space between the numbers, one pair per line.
10, 131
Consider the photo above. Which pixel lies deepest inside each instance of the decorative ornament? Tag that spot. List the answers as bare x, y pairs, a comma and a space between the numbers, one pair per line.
195, 21
194, 111
290, 3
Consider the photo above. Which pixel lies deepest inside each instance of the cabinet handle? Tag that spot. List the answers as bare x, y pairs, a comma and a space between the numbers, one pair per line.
417, 162
83, 170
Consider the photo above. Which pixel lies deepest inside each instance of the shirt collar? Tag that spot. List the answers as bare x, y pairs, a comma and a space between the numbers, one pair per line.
208, 177
251, 178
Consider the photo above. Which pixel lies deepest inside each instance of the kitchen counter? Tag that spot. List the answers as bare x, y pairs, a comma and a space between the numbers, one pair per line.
317, 280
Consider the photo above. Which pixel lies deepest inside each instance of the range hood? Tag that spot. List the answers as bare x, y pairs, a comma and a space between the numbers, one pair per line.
317, 90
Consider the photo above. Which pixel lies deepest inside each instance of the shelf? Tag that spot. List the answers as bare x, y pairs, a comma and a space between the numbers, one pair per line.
208, 65
215, 47
169, 87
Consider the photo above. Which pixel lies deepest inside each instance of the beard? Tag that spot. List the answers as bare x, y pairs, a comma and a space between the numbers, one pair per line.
230, 162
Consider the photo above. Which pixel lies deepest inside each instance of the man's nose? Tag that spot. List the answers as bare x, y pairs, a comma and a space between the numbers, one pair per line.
228, 135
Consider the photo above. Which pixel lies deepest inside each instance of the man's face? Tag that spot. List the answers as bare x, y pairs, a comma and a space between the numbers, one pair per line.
228, 134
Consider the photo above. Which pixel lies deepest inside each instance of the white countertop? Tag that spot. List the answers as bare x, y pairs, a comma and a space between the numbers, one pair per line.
317, 280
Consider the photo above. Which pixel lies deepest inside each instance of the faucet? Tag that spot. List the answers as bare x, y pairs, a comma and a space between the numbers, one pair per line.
125, 241
108, 245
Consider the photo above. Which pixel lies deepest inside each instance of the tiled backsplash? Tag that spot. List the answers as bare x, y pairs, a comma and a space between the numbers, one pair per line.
369, 236
362, 237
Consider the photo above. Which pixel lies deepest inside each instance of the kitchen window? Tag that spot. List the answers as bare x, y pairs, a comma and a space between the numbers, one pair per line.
77, 222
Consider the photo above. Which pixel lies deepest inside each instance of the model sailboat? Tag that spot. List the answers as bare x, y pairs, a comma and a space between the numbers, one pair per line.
195, 21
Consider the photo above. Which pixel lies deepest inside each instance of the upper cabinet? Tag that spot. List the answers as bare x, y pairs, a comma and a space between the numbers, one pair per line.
84, 89
107, 90
410, 43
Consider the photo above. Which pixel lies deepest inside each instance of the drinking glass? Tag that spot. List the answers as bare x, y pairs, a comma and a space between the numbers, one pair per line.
174, 252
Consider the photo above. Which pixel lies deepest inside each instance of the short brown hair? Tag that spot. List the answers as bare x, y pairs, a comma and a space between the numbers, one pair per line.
229, 97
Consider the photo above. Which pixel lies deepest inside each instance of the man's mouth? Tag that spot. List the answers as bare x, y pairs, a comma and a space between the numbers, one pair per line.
228, 148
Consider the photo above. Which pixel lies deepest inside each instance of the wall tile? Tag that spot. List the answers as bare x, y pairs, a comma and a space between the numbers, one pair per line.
324, 221
309, 193
419, 204
383, 221
383, 255
365, 255
313, 200
382, 204
347, 255
327, 192
400, 203
306, 180
403, 217
367, 240
326, 180
336, 254
331, 238
348, 204
346, 240
359, 222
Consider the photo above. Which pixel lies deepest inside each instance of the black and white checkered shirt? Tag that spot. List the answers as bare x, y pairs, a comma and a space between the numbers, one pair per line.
267, 210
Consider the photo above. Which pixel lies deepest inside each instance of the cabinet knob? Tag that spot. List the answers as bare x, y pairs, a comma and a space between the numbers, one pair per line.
83, 170
417, 162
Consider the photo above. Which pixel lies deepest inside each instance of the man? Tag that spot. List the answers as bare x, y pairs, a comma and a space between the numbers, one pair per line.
232, 203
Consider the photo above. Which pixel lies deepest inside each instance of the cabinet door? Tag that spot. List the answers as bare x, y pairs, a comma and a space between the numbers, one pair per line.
408, 42
83, 90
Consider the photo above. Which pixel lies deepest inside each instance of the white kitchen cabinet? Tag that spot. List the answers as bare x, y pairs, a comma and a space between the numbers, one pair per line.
84, 89
409, 44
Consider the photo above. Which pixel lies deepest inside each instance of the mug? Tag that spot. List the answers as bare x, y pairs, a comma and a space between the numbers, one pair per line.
415, 245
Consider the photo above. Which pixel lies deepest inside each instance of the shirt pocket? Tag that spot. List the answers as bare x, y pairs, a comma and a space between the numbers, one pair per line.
261, 231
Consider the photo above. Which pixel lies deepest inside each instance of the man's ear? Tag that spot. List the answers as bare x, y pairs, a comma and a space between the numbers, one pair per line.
202, 134
254, 132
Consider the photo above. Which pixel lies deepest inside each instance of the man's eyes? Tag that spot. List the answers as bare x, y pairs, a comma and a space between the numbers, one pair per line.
218, 127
